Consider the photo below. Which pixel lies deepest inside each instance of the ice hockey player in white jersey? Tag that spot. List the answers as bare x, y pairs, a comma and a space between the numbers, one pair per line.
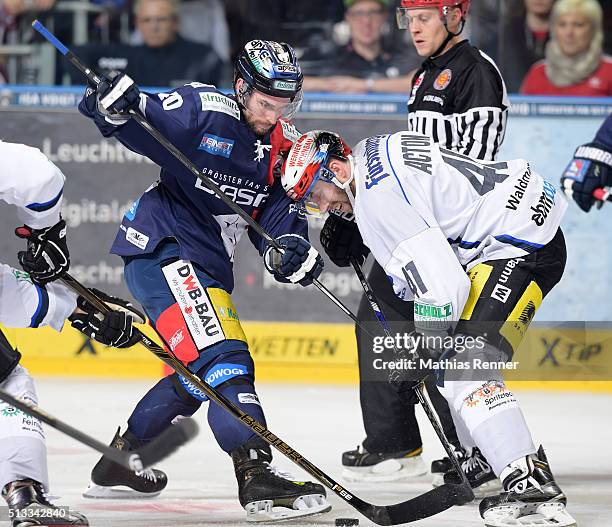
474, 244
35, 186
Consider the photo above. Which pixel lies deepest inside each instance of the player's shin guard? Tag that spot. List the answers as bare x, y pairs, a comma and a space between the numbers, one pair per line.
268, 494
228, 432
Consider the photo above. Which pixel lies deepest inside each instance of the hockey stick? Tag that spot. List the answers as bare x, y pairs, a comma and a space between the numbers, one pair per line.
466, 488
162, 446
417, 508
185, 161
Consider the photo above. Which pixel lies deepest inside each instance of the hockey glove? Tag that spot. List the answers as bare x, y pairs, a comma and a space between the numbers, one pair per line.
117, 93
342, 241
47, 257
590, 169
113, 329
299, 263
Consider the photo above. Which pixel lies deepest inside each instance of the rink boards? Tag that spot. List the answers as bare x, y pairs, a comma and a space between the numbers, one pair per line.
103, 179
549, 358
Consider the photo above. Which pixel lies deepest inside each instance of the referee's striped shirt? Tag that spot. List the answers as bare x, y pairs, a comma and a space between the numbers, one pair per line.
459, 99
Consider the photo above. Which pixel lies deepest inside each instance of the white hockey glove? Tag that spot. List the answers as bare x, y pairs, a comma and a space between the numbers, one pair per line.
114, 329
117, 93
299, 263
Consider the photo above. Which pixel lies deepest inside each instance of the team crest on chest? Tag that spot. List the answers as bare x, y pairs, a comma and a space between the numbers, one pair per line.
260, 150
443, 80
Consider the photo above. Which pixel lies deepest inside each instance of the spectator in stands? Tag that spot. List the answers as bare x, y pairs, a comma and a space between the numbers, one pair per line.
524, 41
483, 26
364, 65
574, 63
201, 21
164, 58
307, 25
10, 11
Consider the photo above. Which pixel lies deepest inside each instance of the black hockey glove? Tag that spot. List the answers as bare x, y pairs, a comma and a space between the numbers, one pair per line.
117, 93
590, 169
47, 257
114, 329
299, 263
342, 241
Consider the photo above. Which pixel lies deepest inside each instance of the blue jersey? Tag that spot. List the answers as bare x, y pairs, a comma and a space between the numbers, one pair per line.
210, 129
604, 134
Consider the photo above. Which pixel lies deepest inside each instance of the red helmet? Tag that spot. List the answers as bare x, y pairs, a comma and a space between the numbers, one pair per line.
442, 6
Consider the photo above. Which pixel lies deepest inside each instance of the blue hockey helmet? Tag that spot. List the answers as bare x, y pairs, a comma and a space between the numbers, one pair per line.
271, 68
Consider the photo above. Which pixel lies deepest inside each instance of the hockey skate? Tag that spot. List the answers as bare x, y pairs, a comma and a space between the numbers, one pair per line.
359, 465
268, 494
112, 481
531, 497
28, 506
479, 473
439, 467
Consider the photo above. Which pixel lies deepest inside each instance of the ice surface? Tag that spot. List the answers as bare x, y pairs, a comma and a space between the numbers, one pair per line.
320, 422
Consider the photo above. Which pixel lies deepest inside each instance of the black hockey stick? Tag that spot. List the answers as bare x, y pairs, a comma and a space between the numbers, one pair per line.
417, 508
185, 161
419, 388
162, 446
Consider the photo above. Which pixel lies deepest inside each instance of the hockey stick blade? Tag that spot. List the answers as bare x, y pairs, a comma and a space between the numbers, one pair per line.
168, 442
420, 507
423, 506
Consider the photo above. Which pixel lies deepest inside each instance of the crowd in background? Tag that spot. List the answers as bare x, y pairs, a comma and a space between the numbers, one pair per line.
552, 47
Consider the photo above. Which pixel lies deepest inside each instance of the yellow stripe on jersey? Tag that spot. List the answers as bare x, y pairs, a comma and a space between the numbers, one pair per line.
227, 313
479, 274
525, 309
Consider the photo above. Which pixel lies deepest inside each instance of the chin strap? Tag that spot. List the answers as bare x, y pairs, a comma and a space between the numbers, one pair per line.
449, 36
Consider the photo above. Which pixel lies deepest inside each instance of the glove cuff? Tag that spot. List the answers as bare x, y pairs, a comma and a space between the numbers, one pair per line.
594, 152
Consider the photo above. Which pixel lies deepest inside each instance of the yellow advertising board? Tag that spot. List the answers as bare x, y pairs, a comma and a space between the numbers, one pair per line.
318, 353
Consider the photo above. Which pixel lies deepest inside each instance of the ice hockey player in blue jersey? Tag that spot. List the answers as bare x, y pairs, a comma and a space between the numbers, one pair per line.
178, 241
591, 169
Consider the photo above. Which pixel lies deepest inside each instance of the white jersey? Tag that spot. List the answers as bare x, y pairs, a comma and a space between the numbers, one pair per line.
35, 185
428, 214
31, 182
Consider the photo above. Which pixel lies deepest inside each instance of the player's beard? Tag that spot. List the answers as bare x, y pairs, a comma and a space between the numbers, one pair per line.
260, 128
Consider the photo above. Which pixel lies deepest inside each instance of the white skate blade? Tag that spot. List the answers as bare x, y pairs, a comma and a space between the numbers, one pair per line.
264, 511
387, 470
529, 515
116, 492
490, 488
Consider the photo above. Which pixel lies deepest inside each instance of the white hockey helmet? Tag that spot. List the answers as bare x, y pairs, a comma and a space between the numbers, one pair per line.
307, 163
